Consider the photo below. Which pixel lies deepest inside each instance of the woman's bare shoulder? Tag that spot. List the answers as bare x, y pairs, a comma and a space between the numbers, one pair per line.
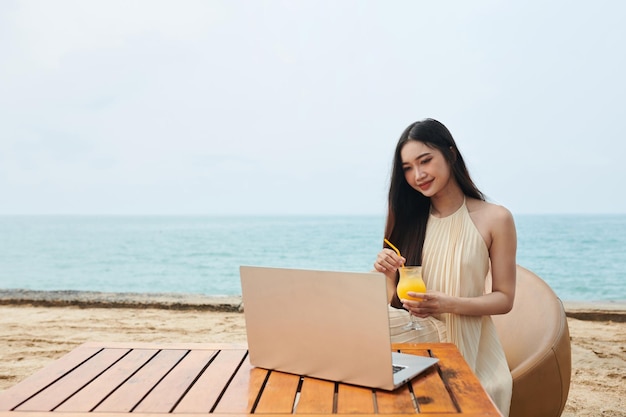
485, 211
490, 219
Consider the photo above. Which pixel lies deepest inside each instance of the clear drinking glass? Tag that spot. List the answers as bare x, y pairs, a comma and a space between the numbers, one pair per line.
411, 280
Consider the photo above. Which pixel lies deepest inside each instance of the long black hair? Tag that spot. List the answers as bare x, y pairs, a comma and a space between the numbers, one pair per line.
409, 209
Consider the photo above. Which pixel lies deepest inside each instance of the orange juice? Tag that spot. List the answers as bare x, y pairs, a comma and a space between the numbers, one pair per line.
410, 280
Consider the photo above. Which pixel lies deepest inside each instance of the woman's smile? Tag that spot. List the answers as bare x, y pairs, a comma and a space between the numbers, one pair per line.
424, 186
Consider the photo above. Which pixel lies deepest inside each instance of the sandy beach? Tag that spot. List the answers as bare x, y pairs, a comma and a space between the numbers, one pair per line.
33, 335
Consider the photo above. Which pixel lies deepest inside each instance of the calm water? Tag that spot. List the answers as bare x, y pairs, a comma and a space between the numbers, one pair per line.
581, 257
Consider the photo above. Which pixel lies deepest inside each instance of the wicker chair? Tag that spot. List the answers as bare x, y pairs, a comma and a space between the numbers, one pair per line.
535, 337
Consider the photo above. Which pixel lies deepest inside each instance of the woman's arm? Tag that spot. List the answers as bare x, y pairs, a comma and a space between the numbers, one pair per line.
503, 264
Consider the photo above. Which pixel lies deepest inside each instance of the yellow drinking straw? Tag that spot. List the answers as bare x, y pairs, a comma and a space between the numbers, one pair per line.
393, 247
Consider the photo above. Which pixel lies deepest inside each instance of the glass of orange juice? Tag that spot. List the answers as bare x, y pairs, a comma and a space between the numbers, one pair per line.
411, 280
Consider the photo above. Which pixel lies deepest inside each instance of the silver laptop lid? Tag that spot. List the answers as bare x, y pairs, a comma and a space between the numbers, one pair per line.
325, 324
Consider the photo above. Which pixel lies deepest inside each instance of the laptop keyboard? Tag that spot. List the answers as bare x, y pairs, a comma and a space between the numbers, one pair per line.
397, 368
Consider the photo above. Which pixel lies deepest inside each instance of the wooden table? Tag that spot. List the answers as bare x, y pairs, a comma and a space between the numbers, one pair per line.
144, 378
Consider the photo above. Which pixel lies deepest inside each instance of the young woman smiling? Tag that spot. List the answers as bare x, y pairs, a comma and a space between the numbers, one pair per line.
439, 219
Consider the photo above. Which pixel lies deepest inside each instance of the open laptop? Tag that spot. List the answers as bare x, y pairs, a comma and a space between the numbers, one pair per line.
324, 324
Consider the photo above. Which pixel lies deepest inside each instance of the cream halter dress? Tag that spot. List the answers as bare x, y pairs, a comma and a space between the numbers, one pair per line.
456, 262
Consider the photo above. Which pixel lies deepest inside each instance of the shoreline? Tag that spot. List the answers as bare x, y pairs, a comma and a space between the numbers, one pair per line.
95, 299
604, 310
596, 311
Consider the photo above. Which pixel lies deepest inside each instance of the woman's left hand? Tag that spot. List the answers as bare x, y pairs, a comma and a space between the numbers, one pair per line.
432, 303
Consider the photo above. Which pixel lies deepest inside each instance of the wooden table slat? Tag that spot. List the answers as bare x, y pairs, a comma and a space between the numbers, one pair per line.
69, 384
279, 393
354, 400
469, 394
134, 389
316, 396
398, 401
241, 394
15, 395
430, 392
91, 395
165, 395
203, 395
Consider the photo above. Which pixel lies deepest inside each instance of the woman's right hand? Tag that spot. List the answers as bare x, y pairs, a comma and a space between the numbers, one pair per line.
388, 262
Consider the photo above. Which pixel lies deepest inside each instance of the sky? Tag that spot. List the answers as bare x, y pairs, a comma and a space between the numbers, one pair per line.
294, 107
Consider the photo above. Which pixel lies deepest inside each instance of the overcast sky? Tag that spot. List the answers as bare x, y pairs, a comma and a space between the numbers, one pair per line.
294, 107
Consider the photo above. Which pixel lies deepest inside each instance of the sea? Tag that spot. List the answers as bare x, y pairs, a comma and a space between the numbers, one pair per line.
582, 257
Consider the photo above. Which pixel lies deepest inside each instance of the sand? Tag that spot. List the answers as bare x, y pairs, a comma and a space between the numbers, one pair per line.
33, 336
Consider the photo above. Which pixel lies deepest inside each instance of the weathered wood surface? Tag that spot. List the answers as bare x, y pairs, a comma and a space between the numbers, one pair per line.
145, 379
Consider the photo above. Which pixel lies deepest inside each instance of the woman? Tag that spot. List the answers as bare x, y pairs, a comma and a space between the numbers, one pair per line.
439, 219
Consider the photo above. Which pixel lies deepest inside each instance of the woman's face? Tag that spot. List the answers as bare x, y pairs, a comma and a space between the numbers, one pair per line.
425, 168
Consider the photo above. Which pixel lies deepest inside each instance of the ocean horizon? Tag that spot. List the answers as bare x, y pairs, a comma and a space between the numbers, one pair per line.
580, 256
